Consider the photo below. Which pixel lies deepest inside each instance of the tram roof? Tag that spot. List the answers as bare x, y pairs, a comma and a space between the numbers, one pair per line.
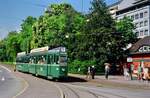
58, 50
21, 54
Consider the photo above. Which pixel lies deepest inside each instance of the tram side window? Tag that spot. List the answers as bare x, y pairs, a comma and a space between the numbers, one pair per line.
42, 60
50, 59
19, 60
63, 60
32, 60
56, 59
26, 60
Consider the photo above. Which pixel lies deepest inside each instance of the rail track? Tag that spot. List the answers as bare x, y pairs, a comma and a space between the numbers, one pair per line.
75, 91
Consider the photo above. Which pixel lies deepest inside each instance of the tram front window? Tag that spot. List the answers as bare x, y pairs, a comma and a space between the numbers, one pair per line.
63, 60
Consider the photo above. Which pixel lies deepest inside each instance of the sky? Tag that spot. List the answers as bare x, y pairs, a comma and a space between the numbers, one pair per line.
13, 12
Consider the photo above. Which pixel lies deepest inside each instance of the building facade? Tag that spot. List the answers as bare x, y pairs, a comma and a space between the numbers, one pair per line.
140, 54
137, 10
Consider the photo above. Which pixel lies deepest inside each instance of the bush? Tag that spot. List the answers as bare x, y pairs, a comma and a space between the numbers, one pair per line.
80, 67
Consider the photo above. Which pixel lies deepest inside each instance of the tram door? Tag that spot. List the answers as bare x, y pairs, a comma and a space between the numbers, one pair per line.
50, 61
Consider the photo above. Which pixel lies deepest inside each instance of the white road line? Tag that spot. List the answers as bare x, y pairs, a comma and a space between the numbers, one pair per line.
26, 85
3, 79
5, 68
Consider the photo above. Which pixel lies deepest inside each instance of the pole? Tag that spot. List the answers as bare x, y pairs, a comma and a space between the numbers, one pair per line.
82, 6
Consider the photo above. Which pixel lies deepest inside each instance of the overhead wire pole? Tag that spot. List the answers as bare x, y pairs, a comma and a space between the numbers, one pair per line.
64, 1
82, 7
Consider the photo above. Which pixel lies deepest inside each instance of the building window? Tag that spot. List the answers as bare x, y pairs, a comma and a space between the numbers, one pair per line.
145, 23
145, 14
141, 15
137, 16
137, 34
146, 32
141, 33
136, 25
141, 24
132, 17
146, 48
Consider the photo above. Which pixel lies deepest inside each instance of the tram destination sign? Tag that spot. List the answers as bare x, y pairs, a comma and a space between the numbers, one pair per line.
59, 49
39, 49
21, 53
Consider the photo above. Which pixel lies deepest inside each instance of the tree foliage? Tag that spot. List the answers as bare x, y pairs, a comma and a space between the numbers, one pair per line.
122, 37
11, 45
26, 33
97, 33
59, 21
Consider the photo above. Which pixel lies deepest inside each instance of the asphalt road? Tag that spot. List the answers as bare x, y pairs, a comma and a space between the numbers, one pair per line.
10, 85
38, 87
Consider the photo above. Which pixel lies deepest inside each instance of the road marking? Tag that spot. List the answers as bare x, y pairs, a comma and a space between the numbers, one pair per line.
26, 85
3, 79
5, 68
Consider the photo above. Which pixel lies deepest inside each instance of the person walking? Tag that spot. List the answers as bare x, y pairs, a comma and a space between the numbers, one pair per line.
88, 76
126, 72
107, 69
145, 74
140, 72
93, 71
131, 68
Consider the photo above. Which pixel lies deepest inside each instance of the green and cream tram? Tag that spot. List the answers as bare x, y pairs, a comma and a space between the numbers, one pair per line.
50, 63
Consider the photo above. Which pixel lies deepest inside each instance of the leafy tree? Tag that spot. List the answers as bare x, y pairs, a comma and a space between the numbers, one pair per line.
58, 21
12, 45
123, 36
26, 33
97, 33
3, 56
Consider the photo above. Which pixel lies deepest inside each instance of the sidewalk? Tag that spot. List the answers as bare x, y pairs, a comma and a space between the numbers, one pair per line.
117, 81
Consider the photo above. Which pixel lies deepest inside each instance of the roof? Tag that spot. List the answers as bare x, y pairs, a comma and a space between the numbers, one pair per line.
134, 6
140, 1
142, 42
116, 3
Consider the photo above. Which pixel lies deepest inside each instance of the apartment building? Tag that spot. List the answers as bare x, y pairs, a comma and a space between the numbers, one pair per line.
137, 10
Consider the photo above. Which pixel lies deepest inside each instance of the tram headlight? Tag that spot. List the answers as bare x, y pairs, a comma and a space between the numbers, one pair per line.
57, 68
63, 69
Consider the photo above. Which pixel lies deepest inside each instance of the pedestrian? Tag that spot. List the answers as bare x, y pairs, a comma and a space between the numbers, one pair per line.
107, 69
88, 76
145, 74
15, 68
140, 72
93, 71
126, 72
131, 68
